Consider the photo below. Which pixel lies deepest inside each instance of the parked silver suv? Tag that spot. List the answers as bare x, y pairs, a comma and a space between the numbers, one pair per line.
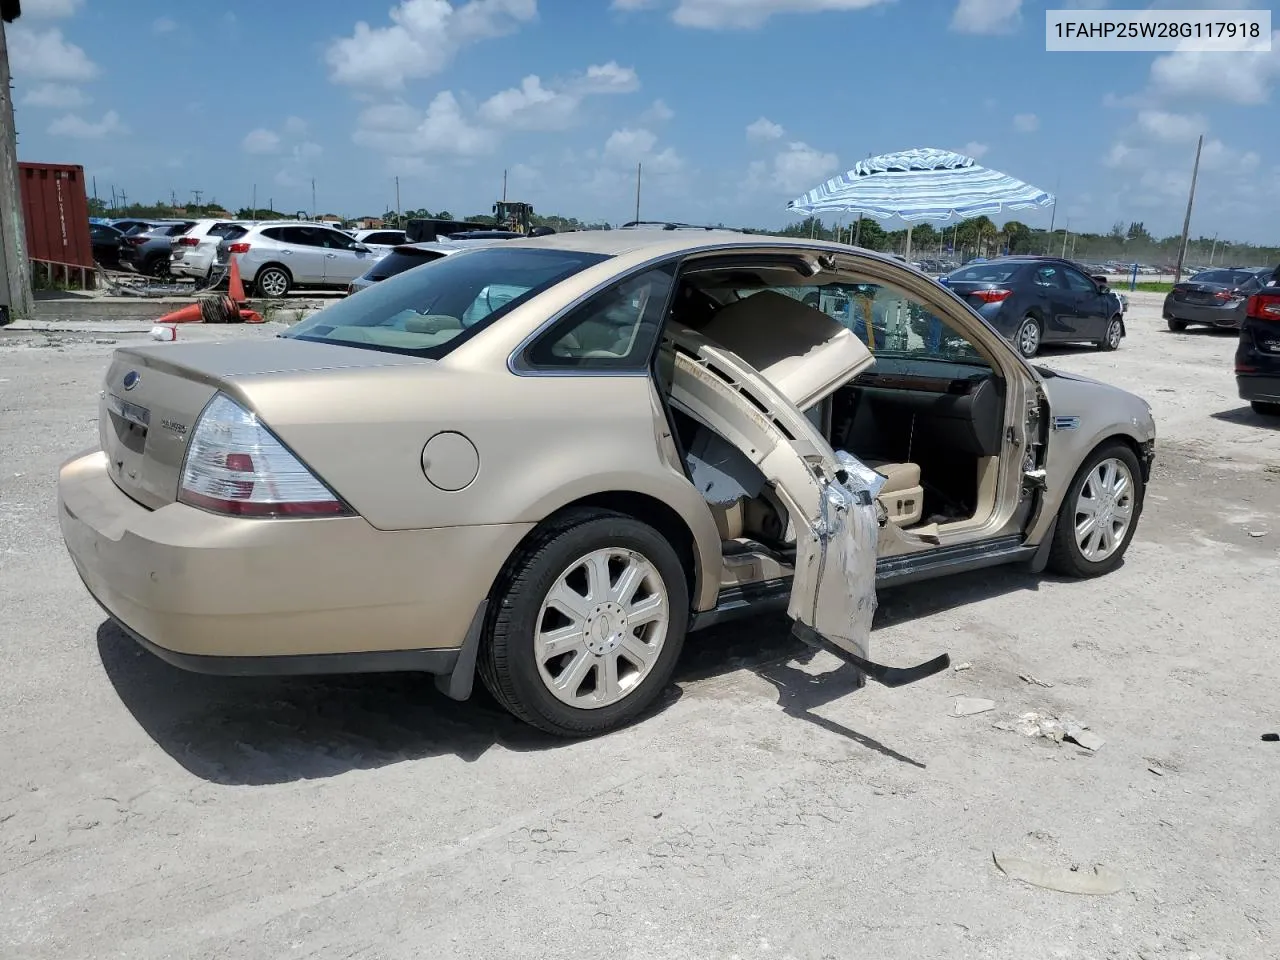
277, 257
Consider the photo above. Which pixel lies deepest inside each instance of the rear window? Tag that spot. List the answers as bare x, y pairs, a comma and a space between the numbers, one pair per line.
398, 261
984, 273
1228, 278
428, 312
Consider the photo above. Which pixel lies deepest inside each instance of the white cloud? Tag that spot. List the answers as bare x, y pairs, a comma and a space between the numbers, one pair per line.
535, 106
400, 130
633, 4
261, 140
1170, 127
49, 9
163, 25
299, 167
1122, 155
607, 78
974, 149
1026, 122
55, 95
749, 14
73, 125
423, 39
764, 129
1244, 78
294, 126
45, 55
531, 106
986, 16
794, 169
658, 112
631, 145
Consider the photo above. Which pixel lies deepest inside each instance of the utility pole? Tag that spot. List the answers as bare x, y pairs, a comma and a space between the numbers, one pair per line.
195, 193
504, 186
1214, 249
124, 199
1054, 214
1186, 222
313, 198
253, 215
1066, 232
639, 168
399, 218
15, 269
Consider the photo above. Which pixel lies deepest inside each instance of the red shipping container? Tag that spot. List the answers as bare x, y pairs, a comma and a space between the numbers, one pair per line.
56, 212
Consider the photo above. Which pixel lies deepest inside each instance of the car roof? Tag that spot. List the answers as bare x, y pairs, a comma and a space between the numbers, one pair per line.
658, 243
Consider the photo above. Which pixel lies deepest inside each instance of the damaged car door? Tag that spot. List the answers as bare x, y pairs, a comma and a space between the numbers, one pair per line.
829, 496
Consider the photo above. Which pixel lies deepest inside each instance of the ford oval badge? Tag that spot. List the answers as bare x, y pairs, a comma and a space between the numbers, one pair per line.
131, 379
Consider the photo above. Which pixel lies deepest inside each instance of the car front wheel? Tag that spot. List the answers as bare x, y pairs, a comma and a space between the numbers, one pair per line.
1115, 333
1027, 339
1099, 513
587, 624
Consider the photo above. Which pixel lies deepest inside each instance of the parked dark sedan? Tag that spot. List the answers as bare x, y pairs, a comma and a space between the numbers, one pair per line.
105, 241
1215, 298
148, 250
1258, 354
1038, 300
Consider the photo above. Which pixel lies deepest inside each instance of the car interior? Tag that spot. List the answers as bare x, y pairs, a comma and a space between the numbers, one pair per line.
925, 410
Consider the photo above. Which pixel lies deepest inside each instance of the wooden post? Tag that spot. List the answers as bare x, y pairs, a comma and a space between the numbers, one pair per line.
15, 270
1186, 222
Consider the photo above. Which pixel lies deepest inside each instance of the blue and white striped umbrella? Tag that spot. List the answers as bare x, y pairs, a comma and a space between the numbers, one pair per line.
923, 184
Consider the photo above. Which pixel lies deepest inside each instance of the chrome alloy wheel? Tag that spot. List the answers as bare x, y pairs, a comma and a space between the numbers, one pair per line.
1104, 509
601, 628
1114, 331
1029, 338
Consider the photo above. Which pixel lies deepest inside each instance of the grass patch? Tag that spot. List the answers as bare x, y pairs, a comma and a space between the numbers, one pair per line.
1153, 286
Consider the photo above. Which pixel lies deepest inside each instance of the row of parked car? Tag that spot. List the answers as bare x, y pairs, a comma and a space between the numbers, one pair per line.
274, 256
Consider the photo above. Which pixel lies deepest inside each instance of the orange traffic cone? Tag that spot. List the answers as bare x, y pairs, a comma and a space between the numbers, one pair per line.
187, 314
235, 286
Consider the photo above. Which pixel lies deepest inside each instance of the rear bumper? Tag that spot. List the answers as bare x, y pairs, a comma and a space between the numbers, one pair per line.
1226, 317
1261, 387
235, 596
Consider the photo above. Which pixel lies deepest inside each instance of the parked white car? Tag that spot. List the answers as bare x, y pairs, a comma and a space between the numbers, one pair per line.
381, 241
195, 252
281, 256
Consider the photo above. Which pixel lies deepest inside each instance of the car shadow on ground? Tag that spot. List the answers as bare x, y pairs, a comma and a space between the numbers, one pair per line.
266, 730
1245, 415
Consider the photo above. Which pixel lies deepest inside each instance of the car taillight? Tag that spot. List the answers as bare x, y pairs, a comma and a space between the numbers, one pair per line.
238, 248
188, 242
992, 296
136, 241
235, 465
1264, 306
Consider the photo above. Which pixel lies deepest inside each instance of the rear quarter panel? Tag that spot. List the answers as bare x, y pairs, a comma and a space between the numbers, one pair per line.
543, 443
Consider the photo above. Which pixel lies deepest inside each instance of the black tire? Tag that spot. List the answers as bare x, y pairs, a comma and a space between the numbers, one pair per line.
1176, 326
1026, 343
1114, 334
266, 277
156, 267
507, 664
1065, 556
1265, 409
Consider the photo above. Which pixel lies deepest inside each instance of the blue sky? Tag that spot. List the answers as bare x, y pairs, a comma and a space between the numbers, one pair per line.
733, 106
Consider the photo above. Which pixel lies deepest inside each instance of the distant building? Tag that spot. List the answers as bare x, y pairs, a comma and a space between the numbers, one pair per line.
329, 218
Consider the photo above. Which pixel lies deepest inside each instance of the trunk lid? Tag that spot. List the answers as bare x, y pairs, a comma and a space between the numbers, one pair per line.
1204, 293
970, 291
153, 395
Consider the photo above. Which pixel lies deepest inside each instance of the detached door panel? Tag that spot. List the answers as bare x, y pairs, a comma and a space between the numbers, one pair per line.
829, 497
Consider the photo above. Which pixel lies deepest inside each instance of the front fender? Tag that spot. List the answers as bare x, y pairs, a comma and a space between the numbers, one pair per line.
1084, 414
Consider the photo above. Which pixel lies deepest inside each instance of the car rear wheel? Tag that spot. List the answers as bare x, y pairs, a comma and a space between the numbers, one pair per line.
1266, 409
1099, 513
273, 282
1027, 339
1177, 326
1115, 333
586, 624
156, 267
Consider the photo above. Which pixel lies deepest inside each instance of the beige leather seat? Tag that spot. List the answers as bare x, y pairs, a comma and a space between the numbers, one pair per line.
902, 496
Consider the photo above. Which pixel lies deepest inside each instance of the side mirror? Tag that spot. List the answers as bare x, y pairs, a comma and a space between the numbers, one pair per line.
359, 248
1100, 279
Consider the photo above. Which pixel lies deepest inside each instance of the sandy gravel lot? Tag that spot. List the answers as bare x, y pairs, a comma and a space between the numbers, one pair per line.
765, 811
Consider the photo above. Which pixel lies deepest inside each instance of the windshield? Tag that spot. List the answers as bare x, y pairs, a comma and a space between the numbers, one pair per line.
428, 311
983, 273
1228, 278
